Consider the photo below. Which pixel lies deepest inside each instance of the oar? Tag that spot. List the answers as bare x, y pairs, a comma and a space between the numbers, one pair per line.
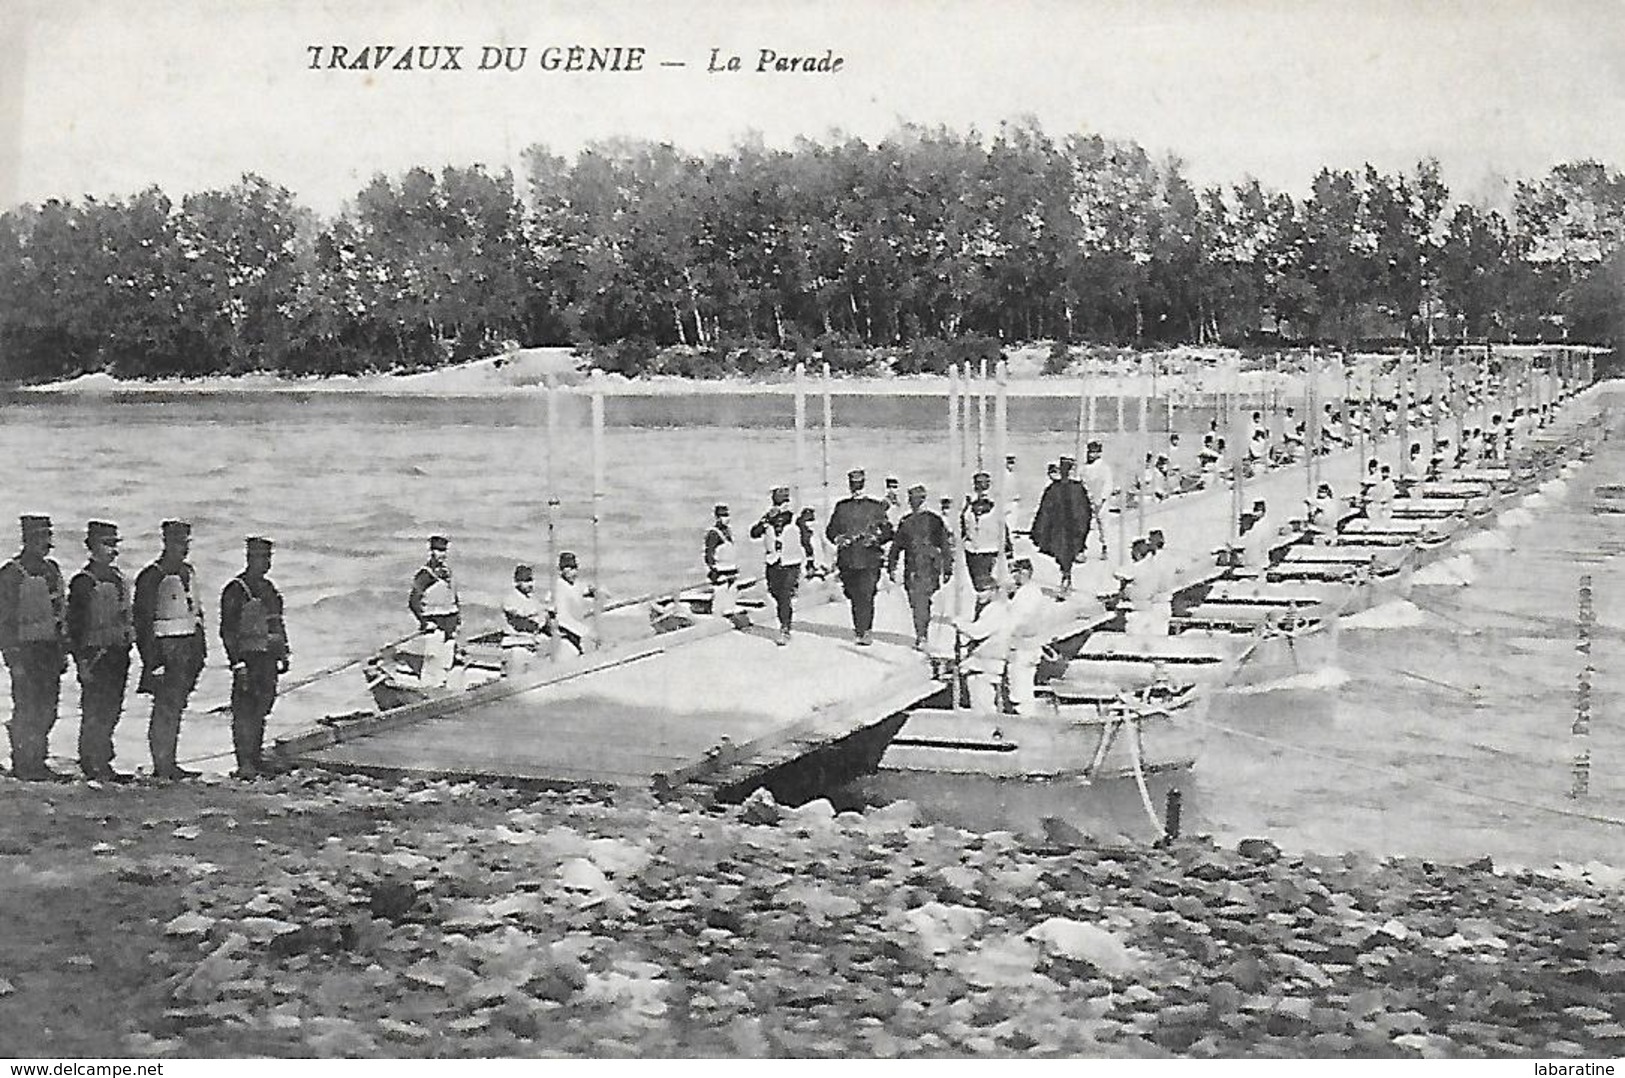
324, 672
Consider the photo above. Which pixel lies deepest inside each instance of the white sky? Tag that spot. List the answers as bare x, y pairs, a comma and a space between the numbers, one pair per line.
108, 96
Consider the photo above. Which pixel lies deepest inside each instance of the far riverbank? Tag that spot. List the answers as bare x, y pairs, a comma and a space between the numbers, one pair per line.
1178, 371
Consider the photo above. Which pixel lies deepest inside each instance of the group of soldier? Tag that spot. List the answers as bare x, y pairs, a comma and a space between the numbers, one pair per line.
97, 618
872, 536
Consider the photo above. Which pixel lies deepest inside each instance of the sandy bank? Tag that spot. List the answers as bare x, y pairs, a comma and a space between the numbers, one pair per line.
1179, 371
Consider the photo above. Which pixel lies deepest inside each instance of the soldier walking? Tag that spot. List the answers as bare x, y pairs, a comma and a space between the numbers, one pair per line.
860, 531
923, 546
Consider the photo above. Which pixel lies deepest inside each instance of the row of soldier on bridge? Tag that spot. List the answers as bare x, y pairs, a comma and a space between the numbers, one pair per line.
871, 536
97, 618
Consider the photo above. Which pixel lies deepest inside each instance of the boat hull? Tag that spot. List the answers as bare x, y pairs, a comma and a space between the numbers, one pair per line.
1073, 769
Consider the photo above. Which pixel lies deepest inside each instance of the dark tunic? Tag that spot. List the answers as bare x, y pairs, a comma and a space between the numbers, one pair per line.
922, 544
1062, 521
860, 531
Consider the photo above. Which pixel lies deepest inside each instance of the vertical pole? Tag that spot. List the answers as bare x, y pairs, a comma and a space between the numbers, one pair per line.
1092, 413
953, 434
597, 514
1238, 470
1000, 449
1404, 417
829, 503
554, 635
956, 501
1309, 429
801, 436
981, 422
1456, 412
1359, 414
1433, 406
964, 417
1083, 405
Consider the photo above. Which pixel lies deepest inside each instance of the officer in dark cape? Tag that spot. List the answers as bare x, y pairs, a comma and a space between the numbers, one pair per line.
1062, 521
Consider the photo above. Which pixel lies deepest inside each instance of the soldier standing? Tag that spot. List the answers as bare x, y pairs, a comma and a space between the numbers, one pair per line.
100, 632
33, 641
256, 641
169, 636
433, 601
721, 563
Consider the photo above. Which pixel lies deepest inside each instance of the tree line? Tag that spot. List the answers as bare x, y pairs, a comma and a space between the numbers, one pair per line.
729, 261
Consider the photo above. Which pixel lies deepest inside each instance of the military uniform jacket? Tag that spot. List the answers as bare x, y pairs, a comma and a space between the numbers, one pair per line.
33, 603
860, 531
922, 544
251, 619
100, 610
147, 586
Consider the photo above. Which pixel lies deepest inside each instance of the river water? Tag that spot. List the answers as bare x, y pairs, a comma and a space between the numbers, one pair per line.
1472, 689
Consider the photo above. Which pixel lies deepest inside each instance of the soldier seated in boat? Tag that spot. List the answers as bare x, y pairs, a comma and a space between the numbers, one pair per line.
1254, 540
572, 610
1383, 493
1136, 592
1324, 514
525, 622
1209, 458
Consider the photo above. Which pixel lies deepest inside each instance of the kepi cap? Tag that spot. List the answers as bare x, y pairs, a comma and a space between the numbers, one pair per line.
258, 544
917, 488
567, 560
721, 510
101, 531
855, 473
523, 572
34, 522
175, 529
439, 542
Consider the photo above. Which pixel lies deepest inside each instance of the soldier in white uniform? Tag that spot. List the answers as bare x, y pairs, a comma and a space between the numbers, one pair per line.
572, 604
524, 621
433, 601
721, 563
1099, 484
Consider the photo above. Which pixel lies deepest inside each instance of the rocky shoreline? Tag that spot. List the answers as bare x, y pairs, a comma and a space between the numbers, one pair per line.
316, 915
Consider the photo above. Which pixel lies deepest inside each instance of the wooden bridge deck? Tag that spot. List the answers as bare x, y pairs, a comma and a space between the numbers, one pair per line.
712, 707
707, 706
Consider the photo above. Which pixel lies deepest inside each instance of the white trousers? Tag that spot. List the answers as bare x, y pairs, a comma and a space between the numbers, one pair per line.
983, 690
1021, 673
438, 652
